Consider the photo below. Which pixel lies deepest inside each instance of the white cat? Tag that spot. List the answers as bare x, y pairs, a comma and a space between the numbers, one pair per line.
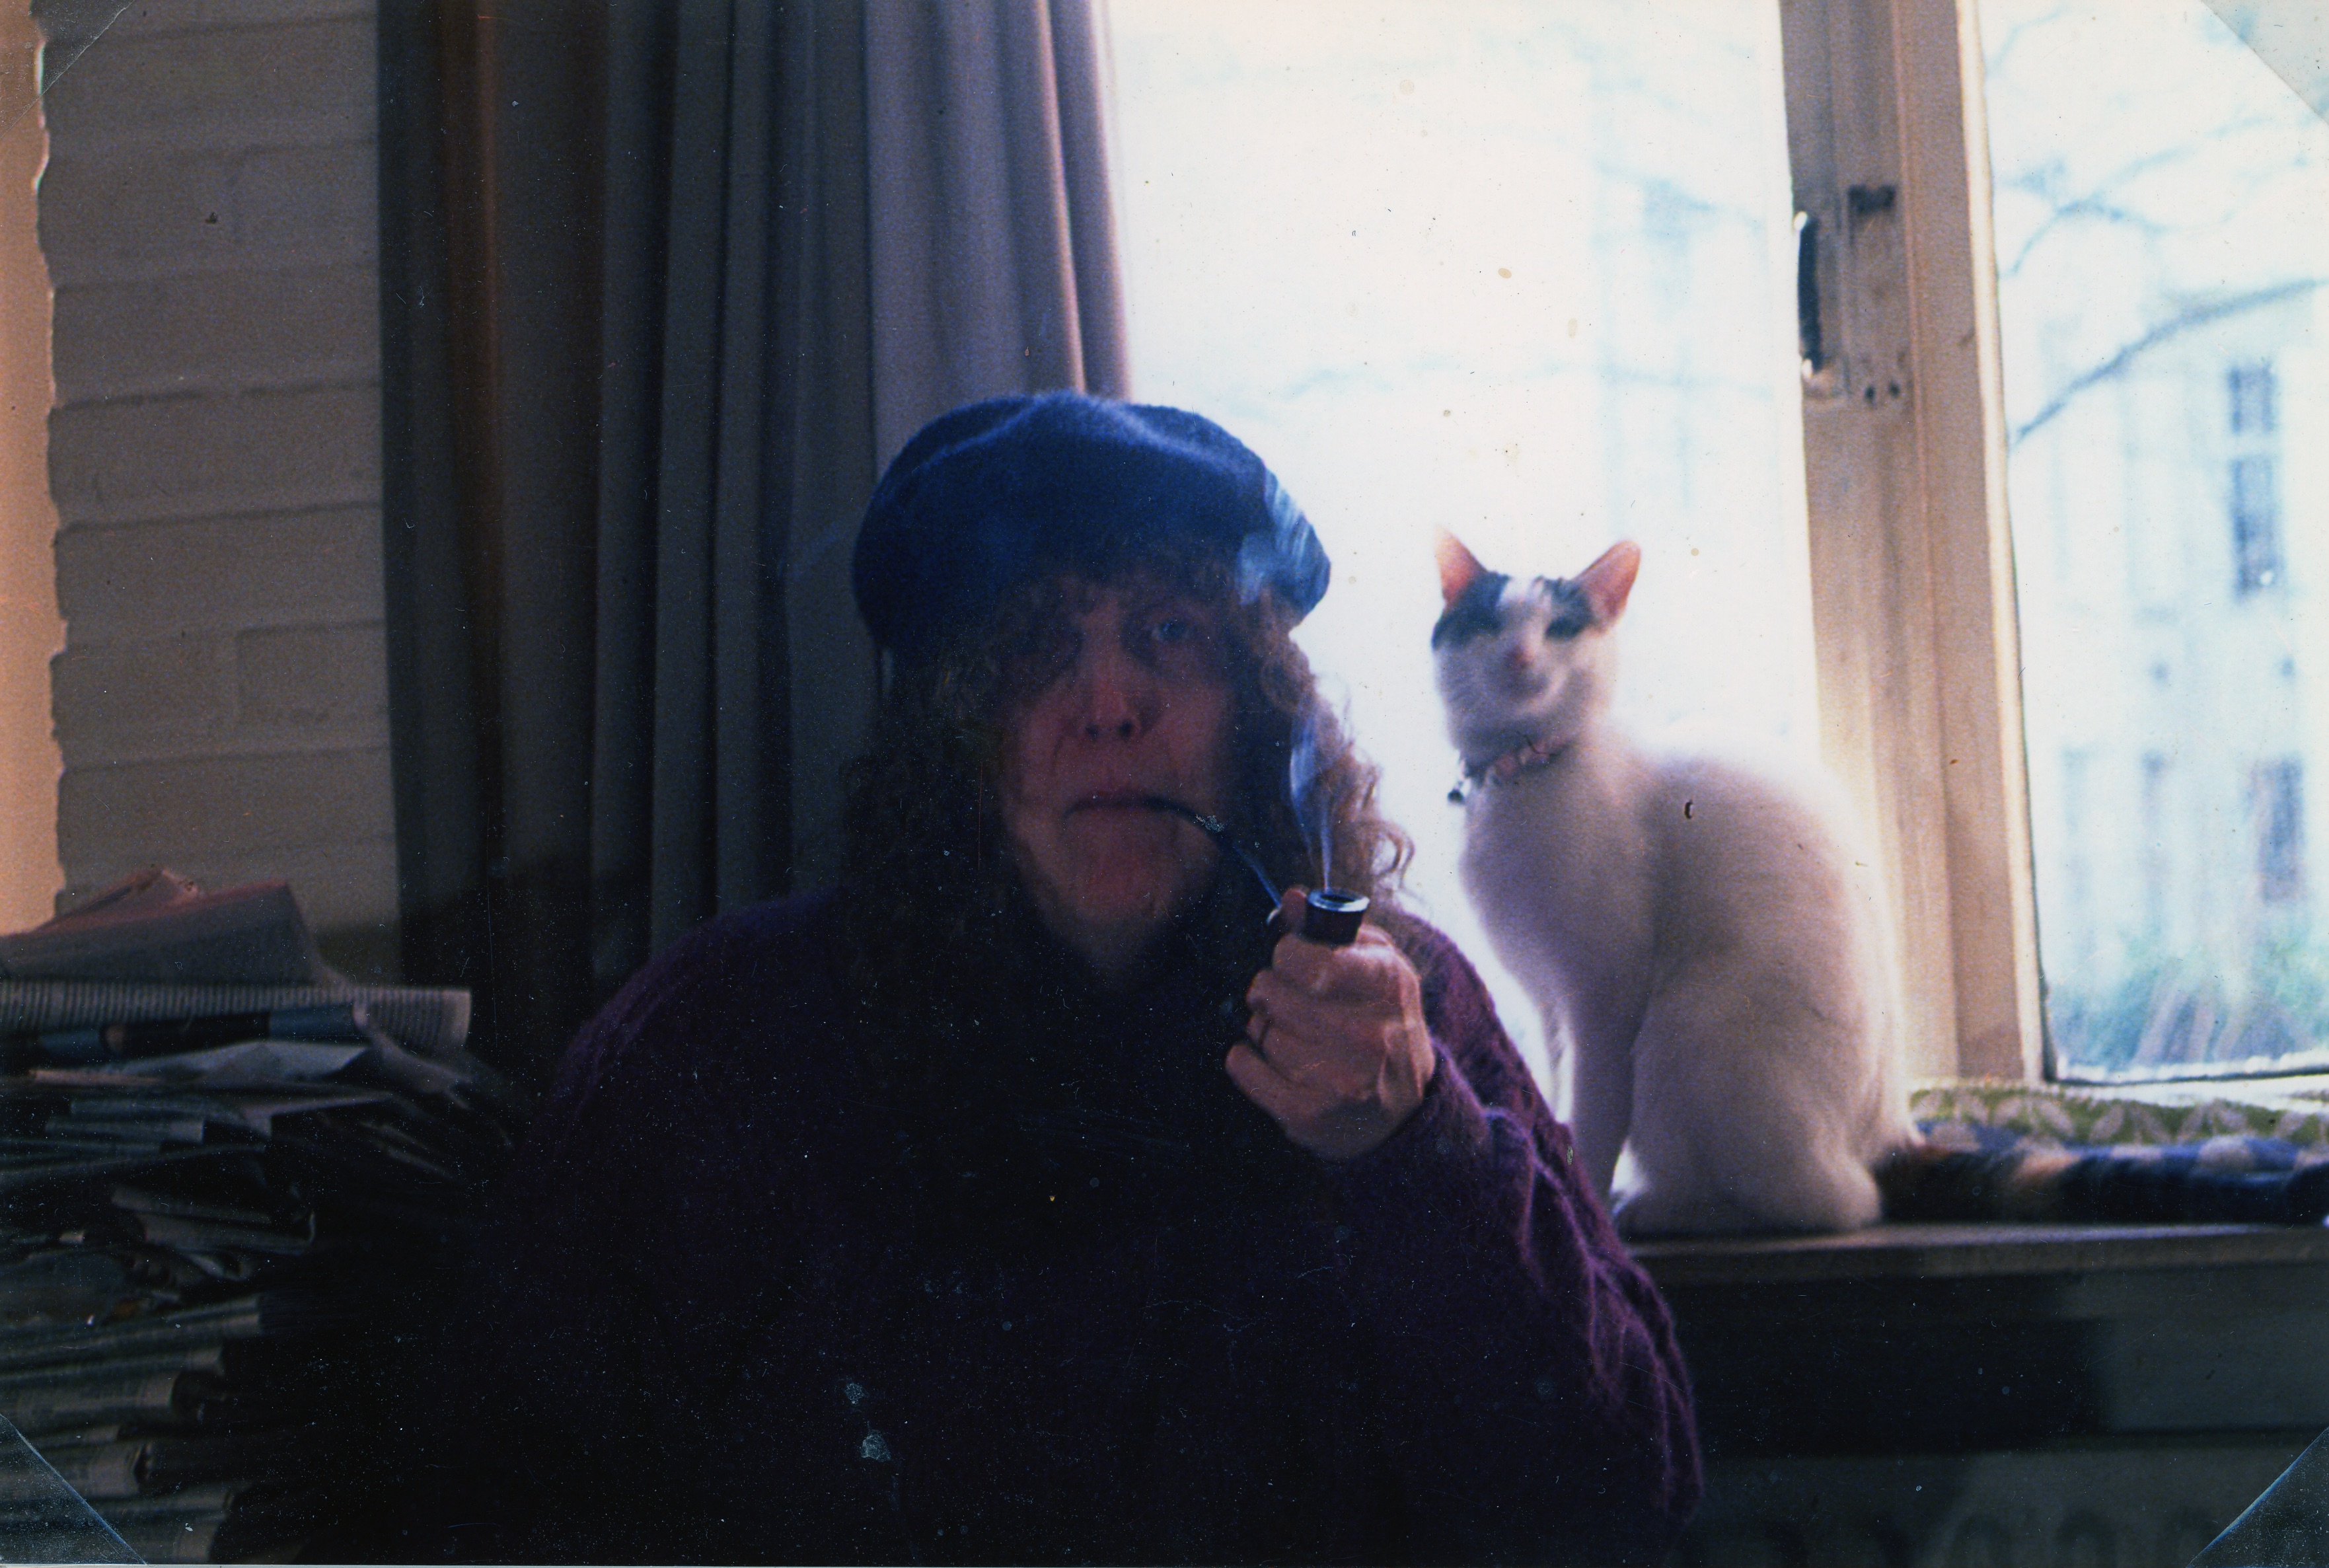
1702, 935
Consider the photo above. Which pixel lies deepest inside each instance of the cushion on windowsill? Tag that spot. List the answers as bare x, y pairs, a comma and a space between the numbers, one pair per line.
2236, 1127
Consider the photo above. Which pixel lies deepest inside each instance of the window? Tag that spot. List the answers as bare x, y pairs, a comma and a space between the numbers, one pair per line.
2279, 796
2001, 324
1521, 270
2251, 394
2256, 524
2157, 810
2076, 942
2254, 490
2161, 200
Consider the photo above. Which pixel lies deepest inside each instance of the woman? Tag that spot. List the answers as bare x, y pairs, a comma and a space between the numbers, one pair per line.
1030, 1198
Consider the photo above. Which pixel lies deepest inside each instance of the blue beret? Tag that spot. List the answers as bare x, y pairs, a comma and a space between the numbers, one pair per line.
985, 496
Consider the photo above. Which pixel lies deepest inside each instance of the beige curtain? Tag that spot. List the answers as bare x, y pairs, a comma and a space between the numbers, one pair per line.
993, 264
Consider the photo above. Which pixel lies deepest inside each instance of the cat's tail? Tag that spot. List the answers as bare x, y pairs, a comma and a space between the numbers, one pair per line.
1923, 1181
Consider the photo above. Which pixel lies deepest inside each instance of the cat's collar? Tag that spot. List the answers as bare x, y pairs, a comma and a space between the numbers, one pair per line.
1503, 769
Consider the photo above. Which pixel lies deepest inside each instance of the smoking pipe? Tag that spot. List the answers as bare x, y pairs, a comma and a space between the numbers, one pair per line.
1329, 915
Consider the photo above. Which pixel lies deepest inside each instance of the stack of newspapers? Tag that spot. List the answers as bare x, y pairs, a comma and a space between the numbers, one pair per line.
232, 1189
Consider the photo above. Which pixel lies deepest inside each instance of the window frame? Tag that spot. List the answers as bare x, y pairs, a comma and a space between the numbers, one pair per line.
1904, 452
2252, 498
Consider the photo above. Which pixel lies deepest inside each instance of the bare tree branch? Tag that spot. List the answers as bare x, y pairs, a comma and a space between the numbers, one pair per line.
2082, 207
2175, 325
2001, 52
2095, 202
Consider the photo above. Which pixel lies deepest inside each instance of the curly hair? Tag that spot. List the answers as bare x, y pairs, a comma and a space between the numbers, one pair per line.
923, 812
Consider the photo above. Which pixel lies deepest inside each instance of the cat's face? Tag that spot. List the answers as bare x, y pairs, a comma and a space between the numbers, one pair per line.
1525, 660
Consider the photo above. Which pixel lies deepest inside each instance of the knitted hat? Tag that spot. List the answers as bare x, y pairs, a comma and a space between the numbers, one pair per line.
988, 496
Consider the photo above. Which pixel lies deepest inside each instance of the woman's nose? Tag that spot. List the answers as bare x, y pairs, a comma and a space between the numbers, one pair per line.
1118, 699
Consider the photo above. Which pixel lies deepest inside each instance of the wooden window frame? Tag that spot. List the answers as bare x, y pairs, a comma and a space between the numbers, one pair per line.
1904, 450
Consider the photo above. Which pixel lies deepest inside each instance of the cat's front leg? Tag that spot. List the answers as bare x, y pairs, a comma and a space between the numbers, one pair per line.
1601, 1087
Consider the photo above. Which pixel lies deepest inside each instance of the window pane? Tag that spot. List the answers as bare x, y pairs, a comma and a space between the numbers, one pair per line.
2162, 205
1522, 269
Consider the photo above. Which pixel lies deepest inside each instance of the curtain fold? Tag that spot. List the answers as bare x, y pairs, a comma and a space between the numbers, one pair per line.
983, 225
661, 289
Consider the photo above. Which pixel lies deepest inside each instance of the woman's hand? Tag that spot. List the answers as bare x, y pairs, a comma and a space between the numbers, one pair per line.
1335, 1050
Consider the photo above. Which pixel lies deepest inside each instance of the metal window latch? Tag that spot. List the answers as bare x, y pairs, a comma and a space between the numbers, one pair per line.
1810, 341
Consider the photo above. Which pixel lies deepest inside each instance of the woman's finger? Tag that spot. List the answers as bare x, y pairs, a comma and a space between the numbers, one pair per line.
1267, 1087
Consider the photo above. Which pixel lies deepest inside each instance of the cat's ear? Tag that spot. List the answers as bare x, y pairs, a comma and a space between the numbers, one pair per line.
1457, 566
1609, 579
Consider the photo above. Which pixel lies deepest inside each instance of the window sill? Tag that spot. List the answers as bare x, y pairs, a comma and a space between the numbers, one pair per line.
1942, 1251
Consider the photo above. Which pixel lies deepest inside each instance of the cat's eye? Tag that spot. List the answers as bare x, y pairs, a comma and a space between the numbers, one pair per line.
1572, 613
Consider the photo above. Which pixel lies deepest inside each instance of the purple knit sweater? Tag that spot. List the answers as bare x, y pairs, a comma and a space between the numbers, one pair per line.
700, 1332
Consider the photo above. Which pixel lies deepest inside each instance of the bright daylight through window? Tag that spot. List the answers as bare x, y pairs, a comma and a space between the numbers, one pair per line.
1523, 270
1526, 271
2161, 203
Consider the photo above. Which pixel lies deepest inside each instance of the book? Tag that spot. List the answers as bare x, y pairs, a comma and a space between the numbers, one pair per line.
158, 927
94, 1396
335, 1022
179, 1527
107, 1471
428, 1020
212, 1497
227, 1191
153, 1463
77, 1535
189, 1539
133, 1157
78, 1344
202, 1356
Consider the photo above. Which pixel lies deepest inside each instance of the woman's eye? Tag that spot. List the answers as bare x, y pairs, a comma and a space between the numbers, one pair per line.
1040, 658
1172, 629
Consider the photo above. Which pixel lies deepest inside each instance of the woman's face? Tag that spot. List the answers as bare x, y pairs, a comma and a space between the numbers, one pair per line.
1123, 696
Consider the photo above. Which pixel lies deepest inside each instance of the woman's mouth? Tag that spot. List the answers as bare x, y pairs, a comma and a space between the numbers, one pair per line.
1218, 831
1122, 800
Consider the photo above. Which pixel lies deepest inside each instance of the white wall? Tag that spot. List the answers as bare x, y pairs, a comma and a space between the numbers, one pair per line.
210, 220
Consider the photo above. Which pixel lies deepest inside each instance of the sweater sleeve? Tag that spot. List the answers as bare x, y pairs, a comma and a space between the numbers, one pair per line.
1535, 1404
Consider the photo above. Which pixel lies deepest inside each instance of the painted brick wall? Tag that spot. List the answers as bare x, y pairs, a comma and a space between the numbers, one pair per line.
208, 220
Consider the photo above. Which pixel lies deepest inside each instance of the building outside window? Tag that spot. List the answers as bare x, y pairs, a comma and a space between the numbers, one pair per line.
2156, 828
2256, 523
2278, 795
2162, 200
2255, 489
2252, 389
